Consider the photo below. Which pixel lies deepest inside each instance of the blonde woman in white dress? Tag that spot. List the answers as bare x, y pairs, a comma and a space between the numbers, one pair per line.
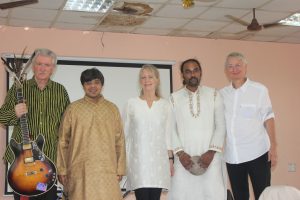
147, 126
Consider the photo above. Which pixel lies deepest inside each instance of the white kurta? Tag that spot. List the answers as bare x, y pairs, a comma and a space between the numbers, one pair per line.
147, 133
196, 136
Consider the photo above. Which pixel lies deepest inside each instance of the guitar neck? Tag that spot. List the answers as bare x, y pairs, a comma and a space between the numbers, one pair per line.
23, 119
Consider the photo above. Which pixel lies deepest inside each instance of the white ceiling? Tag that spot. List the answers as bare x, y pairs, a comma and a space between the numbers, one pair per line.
205, 20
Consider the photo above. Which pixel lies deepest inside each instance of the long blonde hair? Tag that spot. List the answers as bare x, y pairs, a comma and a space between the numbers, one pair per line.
155, 72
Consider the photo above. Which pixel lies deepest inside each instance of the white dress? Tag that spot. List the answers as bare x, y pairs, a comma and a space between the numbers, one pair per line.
147, 133
196, 135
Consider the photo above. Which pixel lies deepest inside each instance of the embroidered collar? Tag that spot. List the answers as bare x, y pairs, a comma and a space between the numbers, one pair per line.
191, 103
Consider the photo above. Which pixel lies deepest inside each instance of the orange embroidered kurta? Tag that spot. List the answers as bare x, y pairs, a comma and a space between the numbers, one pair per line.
91, 150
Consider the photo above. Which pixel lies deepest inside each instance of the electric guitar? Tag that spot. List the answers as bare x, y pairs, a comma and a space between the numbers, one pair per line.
32, 173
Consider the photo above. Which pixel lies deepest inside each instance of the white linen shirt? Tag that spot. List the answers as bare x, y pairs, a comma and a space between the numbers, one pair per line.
246, 110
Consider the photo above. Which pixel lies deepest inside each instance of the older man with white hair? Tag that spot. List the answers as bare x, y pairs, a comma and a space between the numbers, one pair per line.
250, 143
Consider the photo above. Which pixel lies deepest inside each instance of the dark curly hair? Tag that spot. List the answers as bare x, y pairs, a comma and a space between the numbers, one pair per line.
91, 74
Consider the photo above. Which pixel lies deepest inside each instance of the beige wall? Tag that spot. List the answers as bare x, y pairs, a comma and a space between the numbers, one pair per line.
275, 65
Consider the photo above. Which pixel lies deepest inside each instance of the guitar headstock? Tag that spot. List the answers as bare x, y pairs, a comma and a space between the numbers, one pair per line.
17, 68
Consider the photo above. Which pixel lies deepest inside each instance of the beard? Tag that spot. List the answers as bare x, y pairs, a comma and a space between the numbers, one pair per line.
193, 82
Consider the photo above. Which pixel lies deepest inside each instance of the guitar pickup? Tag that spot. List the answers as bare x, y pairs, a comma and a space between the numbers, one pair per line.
29, 160
30, 173
27, 146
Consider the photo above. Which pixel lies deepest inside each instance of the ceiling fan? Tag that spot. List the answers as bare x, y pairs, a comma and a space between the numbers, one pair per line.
131, 8
15, 4
254, 25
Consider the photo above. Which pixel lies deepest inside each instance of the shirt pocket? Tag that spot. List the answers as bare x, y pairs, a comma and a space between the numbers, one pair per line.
247, 111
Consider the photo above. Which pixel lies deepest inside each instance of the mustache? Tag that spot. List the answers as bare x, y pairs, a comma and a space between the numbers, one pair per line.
193, 81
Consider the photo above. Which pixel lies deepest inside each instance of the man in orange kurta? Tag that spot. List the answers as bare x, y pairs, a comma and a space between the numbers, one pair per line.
91, 148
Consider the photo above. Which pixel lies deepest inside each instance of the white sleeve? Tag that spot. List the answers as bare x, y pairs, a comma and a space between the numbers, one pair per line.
218, 138
126, 120
176, 143
266, 106
169, 125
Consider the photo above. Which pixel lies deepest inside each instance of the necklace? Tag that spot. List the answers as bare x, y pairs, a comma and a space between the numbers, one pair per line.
192, 104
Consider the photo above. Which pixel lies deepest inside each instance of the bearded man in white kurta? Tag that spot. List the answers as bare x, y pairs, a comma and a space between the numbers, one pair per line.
199, 130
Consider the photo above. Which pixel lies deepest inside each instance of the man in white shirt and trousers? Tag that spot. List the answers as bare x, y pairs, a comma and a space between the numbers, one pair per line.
250, 141
198, 139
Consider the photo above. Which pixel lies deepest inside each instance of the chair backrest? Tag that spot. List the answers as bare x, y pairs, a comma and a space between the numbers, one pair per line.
280, 192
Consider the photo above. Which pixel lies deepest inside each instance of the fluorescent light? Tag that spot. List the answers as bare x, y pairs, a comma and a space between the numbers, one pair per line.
293, 20
89, 5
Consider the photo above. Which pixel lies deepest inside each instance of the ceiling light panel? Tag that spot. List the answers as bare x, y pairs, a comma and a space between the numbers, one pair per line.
89, 5
293, 20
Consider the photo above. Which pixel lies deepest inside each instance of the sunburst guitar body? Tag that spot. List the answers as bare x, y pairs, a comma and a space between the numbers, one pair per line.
31, 173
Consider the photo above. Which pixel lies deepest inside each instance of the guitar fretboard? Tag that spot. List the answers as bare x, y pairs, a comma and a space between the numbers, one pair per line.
23, 119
